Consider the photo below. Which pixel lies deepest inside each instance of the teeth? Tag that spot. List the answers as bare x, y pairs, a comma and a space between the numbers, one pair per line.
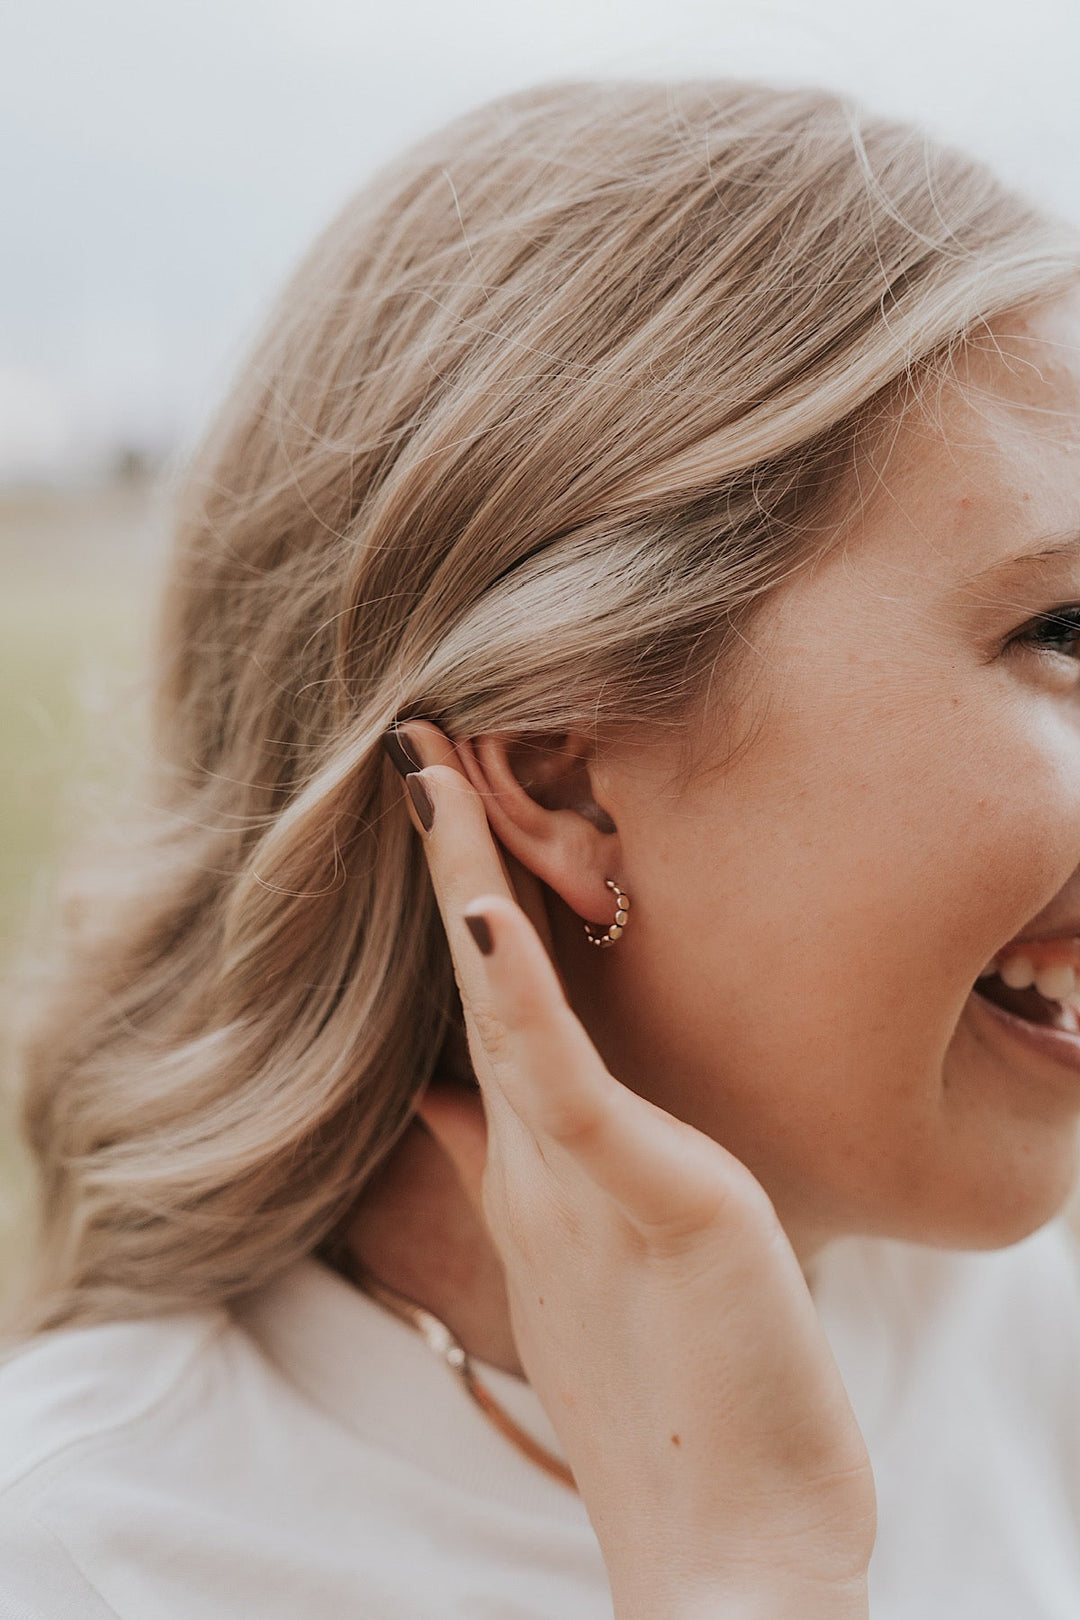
1052, 967
1066, 1018
1056, 982
1018, 972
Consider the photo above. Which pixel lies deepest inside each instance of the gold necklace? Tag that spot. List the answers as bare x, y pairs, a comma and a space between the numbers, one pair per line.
438, 1338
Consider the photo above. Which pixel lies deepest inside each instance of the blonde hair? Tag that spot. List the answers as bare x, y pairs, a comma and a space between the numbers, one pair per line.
544, 413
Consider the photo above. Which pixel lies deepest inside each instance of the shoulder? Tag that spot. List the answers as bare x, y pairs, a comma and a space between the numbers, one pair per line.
68, 1391
39, 1578
69, 1400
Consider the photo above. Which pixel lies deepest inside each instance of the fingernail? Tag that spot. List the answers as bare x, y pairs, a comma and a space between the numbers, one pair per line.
480, 929
396, 747
423, 803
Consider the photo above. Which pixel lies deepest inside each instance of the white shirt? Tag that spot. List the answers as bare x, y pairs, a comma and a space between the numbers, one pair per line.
308, 1458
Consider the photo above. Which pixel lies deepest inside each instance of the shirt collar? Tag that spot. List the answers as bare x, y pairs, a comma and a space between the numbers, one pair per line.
375, 1375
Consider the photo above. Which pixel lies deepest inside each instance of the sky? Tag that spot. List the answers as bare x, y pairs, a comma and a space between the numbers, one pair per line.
163, 165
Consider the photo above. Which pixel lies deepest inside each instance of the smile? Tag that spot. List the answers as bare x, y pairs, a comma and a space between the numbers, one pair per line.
1029, 996
1037, 982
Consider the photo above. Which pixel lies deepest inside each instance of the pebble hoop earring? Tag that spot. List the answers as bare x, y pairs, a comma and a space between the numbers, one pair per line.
622, 916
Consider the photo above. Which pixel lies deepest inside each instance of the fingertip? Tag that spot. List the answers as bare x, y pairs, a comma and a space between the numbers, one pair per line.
422, 801
492, 919
480, 929
495, 908
423, 742
396, 747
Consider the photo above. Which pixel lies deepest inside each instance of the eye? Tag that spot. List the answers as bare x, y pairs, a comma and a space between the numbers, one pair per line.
1057, 632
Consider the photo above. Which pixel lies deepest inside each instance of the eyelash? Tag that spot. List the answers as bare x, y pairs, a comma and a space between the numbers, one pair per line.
1047, 632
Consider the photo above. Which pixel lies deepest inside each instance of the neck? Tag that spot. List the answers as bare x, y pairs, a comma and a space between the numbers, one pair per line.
417, 1231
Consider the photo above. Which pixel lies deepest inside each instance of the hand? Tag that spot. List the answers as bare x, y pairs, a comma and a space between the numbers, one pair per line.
657, 1306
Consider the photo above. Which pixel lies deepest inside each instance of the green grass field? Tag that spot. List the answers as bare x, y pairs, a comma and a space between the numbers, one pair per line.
75, 603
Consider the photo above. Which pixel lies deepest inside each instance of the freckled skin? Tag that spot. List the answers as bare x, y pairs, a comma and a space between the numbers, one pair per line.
808, 920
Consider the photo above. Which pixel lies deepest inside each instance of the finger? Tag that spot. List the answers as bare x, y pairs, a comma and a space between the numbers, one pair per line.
425, 745
666, 1176
426, 749
462, 856
463, 861
528, 892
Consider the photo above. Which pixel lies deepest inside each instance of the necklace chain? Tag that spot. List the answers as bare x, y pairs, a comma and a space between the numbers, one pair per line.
441, 1342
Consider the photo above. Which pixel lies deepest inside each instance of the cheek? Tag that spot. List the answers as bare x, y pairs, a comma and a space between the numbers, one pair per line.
929, 823
812, 924
1019, 783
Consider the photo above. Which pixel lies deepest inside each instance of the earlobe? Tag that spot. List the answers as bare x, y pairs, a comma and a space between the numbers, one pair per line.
542, 807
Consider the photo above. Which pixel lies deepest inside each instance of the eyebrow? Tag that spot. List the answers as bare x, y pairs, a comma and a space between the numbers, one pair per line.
1052, 549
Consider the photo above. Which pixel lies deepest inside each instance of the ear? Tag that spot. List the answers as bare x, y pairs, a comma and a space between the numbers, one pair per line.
542, 805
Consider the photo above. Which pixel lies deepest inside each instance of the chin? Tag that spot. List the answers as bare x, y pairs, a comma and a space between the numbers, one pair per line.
990, 1198
1006, 1203
1009, 1158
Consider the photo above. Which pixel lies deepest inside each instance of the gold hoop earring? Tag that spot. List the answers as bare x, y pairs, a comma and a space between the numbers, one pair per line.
622, 916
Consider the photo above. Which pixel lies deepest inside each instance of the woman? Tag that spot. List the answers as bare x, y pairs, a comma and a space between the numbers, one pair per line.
678, 486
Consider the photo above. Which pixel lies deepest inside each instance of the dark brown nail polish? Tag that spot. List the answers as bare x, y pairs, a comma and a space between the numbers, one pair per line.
400, 758
422, 801
480, 929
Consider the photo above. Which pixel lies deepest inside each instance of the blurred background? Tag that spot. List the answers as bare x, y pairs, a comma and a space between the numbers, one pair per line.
162, 166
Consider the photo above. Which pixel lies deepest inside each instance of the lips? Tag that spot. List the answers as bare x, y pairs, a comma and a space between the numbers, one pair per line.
1044, 1058
1037, 1033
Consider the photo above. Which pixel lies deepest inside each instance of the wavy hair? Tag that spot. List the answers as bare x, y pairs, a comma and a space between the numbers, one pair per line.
545, 412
